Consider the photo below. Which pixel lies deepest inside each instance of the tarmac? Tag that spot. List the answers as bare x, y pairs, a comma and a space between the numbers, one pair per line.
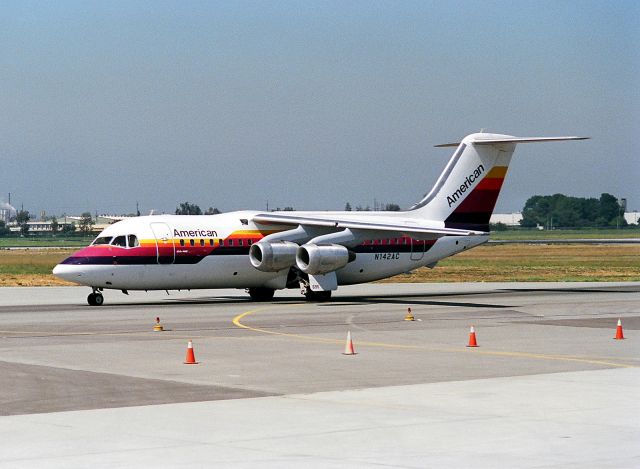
547, 386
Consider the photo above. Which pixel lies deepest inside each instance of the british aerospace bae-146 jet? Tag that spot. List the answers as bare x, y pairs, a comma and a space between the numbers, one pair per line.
316, 251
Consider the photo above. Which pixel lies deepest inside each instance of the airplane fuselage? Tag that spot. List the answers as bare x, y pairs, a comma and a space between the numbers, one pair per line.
170, 252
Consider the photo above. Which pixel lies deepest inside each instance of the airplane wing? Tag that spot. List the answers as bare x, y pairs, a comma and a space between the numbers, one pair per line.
342, 222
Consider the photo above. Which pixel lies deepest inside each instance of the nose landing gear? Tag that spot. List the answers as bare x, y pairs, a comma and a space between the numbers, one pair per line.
95, 298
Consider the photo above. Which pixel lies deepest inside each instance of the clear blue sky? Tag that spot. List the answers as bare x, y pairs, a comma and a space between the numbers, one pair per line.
308, 104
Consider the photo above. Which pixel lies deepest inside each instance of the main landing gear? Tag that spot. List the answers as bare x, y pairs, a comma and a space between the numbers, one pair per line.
317, 296
261, 294
95, 298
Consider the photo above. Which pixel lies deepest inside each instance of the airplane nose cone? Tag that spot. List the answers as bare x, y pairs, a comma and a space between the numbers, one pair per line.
67, 272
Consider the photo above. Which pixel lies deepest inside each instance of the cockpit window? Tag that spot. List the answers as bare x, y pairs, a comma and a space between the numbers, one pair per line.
133, 241
120, 241
102, 240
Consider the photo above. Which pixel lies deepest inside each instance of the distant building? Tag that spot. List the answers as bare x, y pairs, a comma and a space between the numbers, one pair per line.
509, 219
45, 227
633, 218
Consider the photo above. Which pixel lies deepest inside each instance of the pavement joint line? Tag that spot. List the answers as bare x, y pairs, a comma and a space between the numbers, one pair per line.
237, 321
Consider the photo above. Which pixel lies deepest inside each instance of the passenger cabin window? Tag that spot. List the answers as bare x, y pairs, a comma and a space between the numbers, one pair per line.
202, 242
133, 241
239, 242
182, 242
120, 241
102, 240
211, 242
230, 242
192, 242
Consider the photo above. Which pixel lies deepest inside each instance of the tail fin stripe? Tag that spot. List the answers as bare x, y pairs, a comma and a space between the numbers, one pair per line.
479, 201
498, 172
490, 184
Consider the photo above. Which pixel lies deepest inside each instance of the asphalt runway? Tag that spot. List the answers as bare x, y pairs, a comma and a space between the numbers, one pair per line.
547, 387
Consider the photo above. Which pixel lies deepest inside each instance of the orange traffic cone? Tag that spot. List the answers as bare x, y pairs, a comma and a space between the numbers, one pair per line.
158, 327
619, 334
348, 348
472, 338
191, 358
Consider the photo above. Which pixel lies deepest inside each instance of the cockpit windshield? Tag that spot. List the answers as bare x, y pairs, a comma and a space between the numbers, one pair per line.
120, 241
102, 240
123, 241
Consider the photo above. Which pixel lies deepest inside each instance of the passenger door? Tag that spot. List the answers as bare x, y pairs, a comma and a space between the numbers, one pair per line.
166, 250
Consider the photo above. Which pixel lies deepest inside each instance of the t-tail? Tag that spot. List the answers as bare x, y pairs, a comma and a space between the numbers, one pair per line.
466, 192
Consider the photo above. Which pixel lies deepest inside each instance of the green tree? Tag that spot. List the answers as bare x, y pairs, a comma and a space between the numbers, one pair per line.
22, 218
212, 211
4, 231
392, 207
347, 207
498, 226
559, 210
86, 223
187, 208
55, 226
611, 210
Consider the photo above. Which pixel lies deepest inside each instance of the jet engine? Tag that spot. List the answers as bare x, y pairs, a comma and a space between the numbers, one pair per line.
317, 259
273, 257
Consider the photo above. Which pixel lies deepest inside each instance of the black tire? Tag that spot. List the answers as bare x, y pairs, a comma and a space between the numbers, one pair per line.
95, 299
261, 294
318, 296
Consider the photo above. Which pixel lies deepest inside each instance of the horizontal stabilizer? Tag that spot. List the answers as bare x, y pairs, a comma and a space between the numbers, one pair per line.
490, 141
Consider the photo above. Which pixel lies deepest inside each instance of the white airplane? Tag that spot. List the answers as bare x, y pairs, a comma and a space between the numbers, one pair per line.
316, 251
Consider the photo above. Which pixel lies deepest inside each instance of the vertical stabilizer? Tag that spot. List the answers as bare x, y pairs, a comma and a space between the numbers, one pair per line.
466, 192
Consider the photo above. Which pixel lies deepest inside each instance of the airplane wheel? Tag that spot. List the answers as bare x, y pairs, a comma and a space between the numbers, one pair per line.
318, 295
95, 299
261, 294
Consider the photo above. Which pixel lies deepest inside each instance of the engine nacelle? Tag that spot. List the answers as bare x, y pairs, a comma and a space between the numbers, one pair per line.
317, 259
273, 257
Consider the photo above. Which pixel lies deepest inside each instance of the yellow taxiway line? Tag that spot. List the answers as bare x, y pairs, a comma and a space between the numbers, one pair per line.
539, 356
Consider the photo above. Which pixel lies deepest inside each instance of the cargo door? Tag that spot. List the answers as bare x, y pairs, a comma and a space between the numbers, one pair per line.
417, 249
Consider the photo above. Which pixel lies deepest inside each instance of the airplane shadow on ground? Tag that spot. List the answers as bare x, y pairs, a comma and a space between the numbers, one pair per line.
424, 299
